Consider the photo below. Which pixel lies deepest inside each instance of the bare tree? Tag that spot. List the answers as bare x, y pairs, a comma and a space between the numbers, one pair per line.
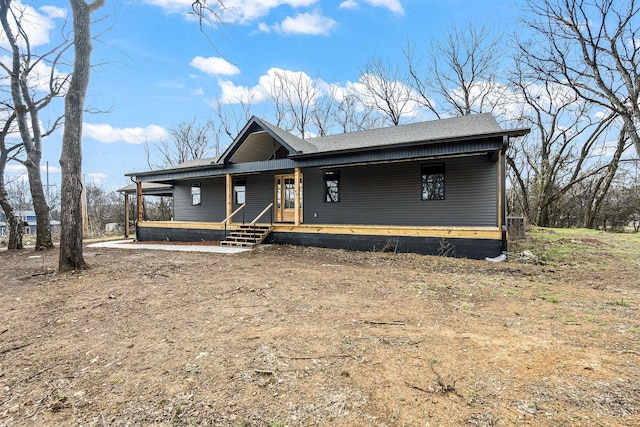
6, 153
592, 46
294, 95
71, 255
27, 103
323, 112
231, 117
103, 207
351, 115
462, 73
189, 141
603, 183
566, 147
384, 91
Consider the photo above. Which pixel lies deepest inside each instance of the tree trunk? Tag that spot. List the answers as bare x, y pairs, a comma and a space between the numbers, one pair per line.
26, 109
71, 255
40, 206
12, 223
600, 193
4, 197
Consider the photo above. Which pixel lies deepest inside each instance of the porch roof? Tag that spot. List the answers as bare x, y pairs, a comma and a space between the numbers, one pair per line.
149, 189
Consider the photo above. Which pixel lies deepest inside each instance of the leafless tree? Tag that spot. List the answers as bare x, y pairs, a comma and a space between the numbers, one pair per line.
27, 103
461, 77
6, 153
383, 90
592, 46
603, 182
352, 116
566, 147
294, 95
103, 207
189, 141
230, 118
71, 255
323, 112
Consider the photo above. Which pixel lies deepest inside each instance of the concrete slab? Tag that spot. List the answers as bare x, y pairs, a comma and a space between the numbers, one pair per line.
128, 244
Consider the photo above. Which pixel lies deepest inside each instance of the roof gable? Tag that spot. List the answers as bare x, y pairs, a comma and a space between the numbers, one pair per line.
260, 140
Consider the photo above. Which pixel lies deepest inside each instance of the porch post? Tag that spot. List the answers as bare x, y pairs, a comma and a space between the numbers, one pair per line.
139, 194
502, 192
126, 214
229, 183
296, 203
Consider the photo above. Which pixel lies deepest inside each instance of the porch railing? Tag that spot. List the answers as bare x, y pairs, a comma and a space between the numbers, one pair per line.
226, 220
255, 220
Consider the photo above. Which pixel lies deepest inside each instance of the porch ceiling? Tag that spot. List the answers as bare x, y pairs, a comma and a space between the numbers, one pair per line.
257, 147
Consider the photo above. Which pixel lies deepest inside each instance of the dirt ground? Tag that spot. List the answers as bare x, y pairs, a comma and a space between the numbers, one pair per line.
295, 336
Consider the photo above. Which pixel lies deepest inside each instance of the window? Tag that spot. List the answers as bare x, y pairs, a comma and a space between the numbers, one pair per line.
196, 194
239, 190
433, 182
332, 187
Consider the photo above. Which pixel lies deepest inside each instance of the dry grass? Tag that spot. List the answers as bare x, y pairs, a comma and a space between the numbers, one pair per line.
305, 336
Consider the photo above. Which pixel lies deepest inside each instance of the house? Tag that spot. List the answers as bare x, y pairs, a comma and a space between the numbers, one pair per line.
435, 187
28, 218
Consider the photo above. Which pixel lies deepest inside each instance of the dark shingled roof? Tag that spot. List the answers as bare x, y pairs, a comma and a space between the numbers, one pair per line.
436, 131
297, 143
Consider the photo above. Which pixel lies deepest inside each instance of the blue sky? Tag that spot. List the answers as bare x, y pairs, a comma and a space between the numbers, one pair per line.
157, 69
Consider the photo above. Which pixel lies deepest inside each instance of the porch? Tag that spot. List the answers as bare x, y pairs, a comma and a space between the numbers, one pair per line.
469, 242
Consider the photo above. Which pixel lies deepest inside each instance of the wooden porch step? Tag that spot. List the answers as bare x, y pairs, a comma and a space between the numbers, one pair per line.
247, 236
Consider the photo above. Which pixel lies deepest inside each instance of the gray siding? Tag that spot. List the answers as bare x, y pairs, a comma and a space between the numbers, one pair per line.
390, 194
213, 207
384, 194
259, 193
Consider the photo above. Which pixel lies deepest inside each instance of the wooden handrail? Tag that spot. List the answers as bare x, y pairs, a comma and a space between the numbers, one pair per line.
224, 221
262, 213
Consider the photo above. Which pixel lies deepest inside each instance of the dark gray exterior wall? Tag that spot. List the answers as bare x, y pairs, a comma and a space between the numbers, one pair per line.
213, 197
259, 193
390, 194
383, 194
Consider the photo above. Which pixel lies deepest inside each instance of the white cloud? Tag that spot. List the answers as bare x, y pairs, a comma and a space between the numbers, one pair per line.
96, 177
349, 4
393, 5
235, 11
215, 66
52, 169
264, 28
232, 94
313, 24
38, 25
15, 169
267, 83
108, 134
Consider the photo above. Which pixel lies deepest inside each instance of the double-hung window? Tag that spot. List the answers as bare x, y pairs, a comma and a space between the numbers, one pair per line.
240, 190
331, 187
433, 182
196, 194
